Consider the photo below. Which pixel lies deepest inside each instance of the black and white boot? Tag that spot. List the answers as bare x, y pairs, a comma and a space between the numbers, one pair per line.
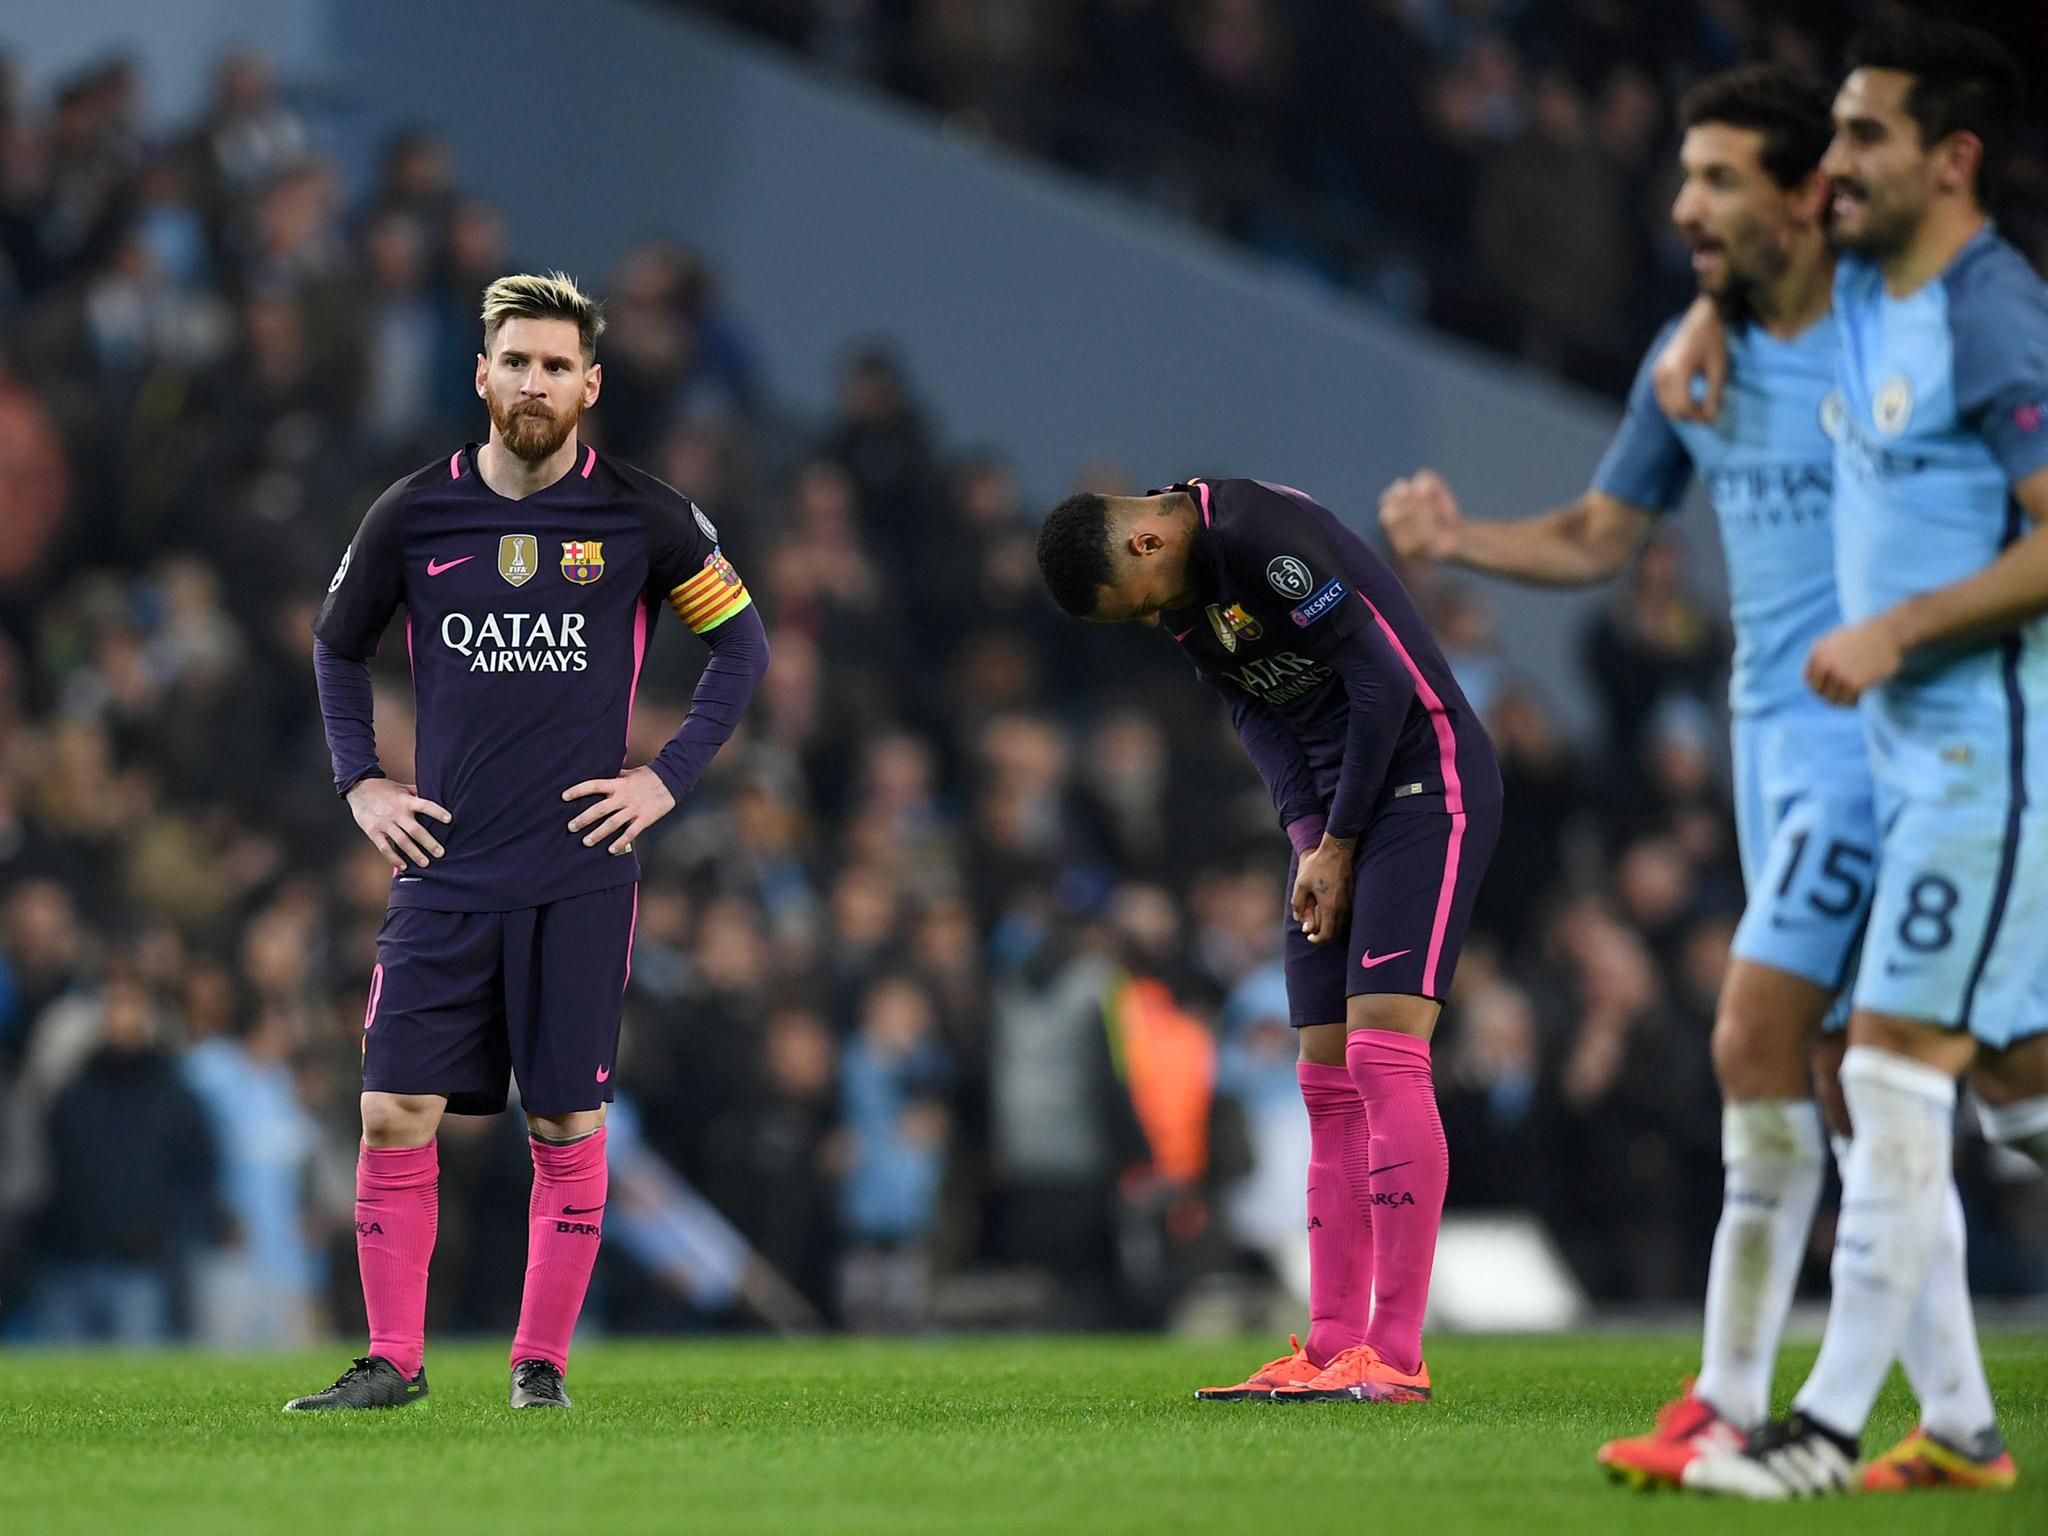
1789, 1458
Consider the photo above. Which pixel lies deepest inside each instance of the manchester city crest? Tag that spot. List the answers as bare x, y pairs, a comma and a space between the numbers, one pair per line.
582, 560
519, 557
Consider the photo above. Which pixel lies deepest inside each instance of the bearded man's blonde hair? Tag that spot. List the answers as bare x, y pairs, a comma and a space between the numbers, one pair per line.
530, 296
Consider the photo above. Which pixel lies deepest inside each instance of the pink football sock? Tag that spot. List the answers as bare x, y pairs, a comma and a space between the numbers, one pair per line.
398, 1207
1339, 1214
1410, 1166
564, 1222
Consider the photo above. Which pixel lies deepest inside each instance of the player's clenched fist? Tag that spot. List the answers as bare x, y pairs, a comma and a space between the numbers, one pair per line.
1846, 663
630, 804
389, 815
1420, 516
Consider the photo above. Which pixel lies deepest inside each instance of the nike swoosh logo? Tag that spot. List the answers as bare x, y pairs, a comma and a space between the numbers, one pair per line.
582, 1210
1388, 1169
436, 568
603, 1073
1369, 959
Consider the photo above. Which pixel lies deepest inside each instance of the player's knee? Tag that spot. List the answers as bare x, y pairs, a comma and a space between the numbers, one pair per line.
400, 1120
1322, 1044
1757, 1055
1398, 1012
1767, 1020
567, 1127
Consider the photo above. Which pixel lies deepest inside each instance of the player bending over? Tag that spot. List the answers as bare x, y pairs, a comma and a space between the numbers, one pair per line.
531, 569
1942, 558
1752, 207
1387, 786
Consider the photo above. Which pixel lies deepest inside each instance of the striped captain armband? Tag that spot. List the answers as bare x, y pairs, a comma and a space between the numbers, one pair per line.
711, 596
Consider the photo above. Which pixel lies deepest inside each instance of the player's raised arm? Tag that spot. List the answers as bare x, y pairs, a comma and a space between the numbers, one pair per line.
367, 589
1643, 475
688, 569
1587, 541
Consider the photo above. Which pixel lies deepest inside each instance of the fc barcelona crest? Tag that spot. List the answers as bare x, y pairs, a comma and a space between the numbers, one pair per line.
519, 558
582, 560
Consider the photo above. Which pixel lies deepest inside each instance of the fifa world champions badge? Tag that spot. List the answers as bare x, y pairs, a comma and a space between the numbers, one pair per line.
582, 560
518, 558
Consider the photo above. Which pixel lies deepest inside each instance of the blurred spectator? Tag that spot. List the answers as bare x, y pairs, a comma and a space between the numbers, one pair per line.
1653, 641
893, 1090
132, 1170
258, 1289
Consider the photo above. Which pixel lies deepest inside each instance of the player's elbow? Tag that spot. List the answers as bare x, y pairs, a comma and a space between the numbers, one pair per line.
1607, 533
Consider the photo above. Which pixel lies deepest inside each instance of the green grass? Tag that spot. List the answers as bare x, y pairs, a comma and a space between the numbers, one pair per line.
1068, 1434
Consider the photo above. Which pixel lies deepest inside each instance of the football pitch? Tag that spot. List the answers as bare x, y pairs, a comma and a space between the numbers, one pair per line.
1063, 1434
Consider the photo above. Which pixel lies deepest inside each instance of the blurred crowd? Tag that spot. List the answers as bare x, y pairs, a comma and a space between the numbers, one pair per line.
955, 995
1421, 152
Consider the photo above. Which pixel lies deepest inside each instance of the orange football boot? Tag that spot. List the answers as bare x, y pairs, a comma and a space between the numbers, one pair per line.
1359, 1375
1688, 1427
1284, 1372
1921, 1461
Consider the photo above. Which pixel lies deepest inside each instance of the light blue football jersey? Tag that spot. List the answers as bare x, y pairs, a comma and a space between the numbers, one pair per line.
1804, 818
1768, 468
1944, 395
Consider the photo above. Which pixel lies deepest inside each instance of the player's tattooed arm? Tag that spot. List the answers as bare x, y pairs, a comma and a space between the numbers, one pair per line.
1571, 546
391, 818
1698, 350
1847, 662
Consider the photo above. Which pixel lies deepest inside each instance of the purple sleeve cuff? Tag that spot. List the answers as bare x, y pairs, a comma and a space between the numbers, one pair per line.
347, 712
739, 660
1306, 832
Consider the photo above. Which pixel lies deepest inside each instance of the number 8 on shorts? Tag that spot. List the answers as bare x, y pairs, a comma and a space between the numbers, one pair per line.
1958, 925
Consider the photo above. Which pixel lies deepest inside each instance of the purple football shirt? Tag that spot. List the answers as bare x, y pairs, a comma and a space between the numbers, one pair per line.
1336, 686
527, 622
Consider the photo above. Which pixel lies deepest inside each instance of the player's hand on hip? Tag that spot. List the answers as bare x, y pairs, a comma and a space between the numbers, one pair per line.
1420, 516
1846, 663
626, 807
390, 816
1322, 890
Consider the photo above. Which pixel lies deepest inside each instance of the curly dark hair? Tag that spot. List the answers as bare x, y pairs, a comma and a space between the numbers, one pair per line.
1073, 552
1789, 107
1963, 82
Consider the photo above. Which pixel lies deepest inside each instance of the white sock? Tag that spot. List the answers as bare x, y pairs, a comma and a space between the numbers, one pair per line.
1892, 1190
2022, 1126
1943, 1363
1774, 1155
